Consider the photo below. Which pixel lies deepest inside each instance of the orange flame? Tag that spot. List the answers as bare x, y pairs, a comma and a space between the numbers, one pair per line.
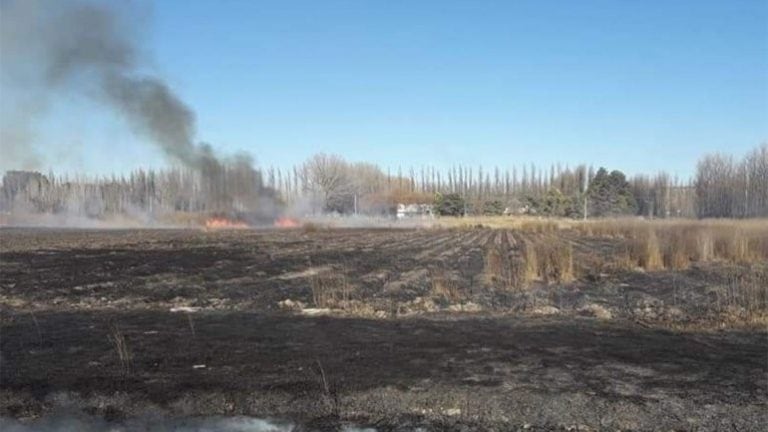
224, 223
286, 222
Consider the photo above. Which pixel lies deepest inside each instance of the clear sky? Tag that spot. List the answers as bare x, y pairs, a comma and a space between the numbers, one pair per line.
634, 85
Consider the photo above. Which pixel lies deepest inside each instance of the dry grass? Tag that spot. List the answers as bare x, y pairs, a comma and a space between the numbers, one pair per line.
331, 290
191, 324
510, 271
443, 287
553, 261
539, 226
123, 351
529, 270
544, 251
652, 245
679, 241
643, 251
743, 297
676, 244
329, 391
312, 227
493, 270
527, 223
545, 258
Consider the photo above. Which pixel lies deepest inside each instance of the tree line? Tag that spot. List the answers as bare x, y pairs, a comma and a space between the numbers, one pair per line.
726, 187
721, 187
233, 188
329, 183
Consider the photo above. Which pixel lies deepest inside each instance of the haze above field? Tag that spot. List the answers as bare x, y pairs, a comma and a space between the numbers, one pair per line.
634, 86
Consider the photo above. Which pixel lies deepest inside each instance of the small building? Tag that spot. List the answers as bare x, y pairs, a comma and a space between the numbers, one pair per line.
415, 211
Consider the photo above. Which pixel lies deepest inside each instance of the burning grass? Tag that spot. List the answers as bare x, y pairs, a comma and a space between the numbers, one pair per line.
287, 222
224, 223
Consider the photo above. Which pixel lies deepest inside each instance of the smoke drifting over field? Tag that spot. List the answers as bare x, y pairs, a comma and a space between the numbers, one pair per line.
82, 423
52, 48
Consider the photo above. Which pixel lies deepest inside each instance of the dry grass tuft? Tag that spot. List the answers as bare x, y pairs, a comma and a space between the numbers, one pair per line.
642, 252
744, 296
646, 251
704, 245
494, 270
555, 261
530, 268
675, 245
443, 287
311, 227
331, 290
676, 259
548, 259
526, 223
329, 391
652, 245
539, 226
120, 344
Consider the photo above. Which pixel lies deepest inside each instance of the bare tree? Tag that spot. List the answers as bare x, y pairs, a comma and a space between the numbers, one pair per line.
326, 178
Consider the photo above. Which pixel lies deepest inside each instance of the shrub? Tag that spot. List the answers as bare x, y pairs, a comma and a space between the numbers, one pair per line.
450, 205
493, 208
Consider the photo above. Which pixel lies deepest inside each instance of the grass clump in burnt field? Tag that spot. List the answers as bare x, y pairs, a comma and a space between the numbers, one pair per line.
622, 324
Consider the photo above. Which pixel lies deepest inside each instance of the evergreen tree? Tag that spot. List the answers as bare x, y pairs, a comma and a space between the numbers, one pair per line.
610, 194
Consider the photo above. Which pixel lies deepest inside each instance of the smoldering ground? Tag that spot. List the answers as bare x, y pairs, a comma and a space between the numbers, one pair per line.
80, 422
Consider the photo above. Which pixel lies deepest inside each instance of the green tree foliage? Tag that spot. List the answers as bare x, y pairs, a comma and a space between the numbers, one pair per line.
610, 194
554, 203
451, 204
493, 208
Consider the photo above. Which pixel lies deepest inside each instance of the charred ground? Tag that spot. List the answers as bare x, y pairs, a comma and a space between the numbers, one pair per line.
441, 328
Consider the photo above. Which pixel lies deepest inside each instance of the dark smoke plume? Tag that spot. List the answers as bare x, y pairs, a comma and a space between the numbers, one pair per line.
93, 49
50, 47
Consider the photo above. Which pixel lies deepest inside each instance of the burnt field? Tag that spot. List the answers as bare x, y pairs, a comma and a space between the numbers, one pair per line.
446, 329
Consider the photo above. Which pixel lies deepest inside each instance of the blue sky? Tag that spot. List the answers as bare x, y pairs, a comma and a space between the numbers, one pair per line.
634, 85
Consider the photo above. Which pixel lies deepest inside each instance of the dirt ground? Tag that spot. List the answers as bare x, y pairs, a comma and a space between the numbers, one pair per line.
393, 329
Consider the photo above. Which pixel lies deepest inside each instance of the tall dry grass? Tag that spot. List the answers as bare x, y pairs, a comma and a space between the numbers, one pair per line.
545, 253
680, 241
676, 244
546, 258
554, 259
493, 269
643, 250
443, 287
526, 223
529, 271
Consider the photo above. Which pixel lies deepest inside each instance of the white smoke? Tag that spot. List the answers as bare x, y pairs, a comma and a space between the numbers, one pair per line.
71, 422
81, 423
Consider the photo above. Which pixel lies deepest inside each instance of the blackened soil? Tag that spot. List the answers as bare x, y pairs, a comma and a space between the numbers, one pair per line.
72, 298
